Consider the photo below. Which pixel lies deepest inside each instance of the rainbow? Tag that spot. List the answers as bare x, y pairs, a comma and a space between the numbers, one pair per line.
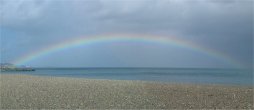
164, 40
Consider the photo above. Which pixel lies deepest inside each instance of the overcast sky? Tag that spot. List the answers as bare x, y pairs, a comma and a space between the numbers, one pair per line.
222, 25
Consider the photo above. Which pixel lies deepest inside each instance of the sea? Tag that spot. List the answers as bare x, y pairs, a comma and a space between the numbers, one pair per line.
242, 77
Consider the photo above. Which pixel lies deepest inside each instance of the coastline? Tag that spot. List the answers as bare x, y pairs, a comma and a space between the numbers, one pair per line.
36, 92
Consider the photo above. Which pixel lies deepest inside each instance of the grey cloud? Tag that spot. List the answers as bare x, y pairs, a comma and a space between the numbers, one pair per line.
186, 17
18, 11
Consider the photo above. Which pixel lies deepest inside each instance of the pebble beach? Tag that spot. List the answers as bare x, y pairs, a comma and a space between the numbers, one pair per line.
44, 92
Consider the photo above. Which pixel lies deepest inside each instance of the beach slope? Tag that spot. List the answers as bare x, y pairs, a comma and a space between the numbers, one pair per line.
35, 92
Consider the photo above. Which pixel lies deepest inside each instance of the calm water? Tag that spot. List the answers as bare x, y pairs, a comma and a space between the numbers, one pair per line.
177, 75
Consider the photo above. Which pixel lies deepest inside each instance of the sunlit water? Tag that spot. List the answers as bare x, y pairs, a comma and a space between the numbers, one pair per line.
175, 75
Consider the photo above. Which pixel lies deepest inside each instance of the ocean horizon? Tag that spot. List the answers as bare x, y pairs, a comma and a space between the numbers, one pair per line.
241, 77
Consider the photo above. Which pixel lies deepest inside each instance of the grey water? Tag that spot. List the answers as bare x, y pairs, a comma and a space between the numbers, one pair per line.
175, 75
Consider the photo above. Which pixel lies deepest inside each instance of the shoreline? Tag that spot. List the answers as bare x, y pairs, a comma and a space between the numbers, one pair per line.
19, 91
147, 81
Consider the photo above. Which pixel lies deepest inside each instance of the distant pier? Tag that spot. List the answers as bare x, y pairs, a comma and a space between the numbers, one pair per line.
12, 67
